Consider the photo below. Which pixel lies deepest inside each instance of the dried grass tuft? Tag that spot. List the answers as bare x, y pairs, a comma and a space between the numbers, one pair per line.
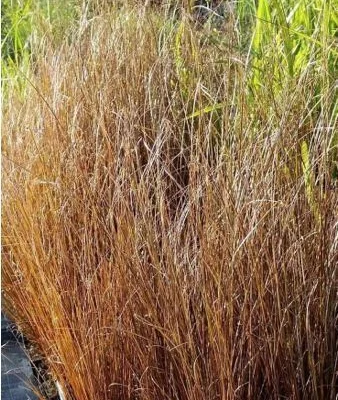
158, 236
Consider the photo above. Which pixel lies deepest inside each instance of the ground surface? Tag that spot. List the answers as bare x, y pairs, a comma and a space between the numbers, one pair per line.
15, 367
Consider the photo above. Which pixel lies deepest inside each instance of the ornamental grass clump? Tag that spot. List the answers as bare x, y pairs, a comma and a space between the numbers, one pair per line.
166, 232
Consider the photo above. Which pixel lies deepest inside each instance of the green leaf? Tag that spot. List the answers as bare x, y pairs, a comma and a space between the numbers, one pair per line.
206, 110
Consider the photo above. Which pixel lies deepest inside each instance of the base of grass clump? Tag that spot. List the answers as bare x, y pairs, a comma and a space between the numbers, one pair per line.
166, 232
